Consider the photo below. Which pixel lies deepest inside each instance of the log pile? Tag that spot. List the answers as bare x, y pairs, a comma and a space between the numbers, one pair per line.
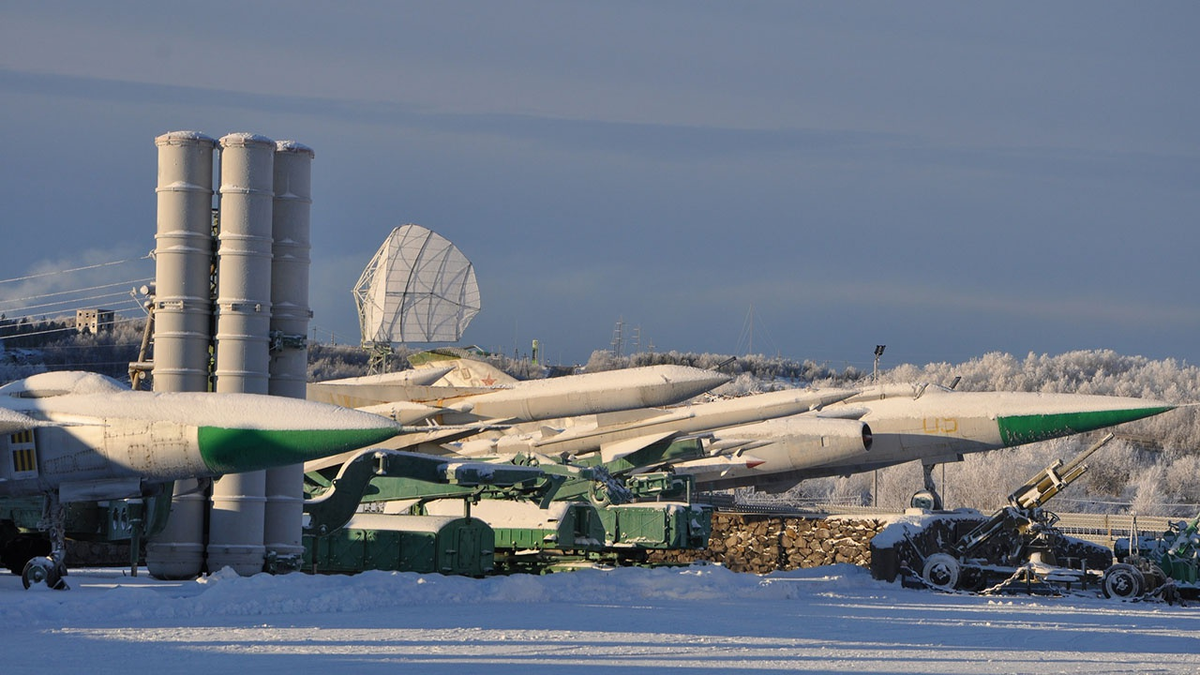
763, 543
97, 553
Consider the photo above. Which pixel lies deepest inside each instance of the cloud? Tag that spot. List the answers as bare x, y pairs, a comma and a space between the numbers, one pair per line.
92, 278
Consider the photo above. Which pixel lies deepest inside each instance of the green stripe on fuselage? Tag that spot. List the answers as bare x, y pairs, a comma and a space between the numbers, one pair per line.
239, 450
1020, 429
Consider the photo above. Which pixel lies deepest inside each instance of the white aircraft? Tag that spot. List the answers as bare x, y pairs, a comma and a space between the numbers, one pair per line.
73, 436
895, 424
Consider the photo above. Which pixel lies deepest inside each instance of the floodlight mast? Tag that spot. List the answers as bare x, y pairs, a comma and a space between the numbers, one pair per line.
418, 287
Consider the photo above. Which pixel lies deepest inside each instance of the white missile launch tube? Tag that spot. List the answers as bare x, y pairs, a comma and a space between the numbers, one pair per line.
183, 258
282, 533
182, 322
235, 536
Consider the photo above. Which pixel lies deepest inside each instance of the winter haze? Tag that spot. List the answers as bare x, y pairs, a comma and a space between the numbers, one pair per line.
946, 179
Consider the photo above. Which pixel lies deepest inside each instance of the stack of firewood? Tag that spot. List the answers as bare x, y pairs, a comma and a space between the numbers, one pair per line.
760, 543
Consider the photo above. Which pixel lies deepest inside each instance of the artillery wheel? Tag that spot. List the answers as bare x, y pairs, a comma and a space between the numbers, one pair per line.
43, 570
941, 571
972, 579
1123, 581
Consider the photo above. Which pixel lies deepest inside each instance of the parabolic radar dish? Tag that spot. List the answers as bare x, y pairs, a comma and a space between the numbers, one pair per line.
418, 288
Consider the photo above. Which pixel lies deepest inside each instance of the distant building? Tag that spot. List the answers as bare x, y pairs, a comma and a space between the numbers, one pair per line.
94, 320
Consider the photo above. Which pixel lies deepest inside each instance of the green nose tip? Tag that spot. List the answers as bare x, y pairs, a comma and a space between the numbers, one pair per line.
239, 450
1020, 429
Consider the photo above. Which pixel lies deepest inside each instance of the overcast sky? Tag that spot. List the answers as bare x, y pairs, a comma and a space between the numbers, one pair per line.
948, 179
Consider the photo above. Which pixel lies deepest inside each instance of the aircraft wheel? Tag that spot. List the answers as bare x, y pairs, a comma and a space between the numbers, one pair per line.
43, 570
941, 570
1122, 581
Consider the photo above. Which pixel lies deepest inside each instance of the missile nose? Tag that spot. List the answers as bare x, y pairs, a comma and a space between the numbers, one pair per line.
667, 385
694, 377
240, 449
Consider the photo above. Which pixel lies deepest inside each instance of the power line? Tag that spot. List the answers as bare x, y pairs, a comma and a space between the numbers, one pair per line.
73, 291
75, 269
75, 303
62, 330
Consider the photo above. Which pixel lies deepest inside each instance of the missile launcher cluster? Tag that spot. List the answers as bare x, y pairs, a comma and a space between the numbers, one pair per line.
618, 483
225, 464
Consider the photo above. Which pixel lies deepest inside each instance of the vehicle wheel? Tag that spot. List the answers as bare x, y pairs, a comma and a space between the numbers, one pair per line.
1122, 581
941, 571
43, 570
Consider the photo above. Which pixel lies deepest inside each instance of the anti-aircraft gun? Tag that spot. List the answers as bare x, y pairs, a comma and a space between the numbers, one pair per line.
1018, 542
1163, 565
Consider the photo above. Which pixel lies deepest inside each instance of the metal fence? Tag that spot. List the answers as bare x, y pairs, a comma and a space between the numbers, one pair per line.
1105, 529
1101, 528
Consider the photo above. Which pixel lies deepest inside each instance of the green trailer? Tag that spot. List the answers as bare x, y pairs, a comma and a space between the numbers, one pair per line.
657, 525
403, 543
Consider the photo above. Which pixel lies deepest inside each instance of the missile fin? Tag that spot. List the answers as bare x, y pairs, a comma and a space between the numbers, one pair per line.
612, 451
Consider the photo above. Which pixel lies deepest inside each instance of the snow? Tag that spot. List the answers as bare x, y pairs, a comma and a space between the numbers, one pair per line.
182, 136
89, 395
669, 620
244, 138
294, 146
59, 383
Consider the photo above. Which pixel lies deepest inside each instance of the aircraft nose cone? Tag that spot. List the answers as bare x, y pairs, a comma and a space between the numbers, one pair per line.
236, 450
1075, 418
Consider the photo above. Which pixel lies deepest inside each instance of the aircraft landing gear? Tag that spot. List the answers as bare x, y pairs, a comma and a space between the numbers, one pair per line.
50, 569
928, 499
43, 569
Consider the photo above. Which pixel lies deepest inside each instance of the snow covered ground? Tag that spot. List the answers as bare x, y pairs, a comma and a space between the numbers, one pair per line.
698, 619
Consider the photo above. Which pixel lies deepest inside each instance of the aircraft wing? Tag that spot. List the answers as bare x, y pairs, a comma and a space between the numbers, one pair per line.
737, 446
12, 421
843, 412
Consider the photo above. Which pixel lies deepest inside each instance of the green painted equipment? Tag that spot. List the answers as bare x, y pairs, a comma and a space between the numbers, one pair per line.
425, 544
1165, 565
657, 525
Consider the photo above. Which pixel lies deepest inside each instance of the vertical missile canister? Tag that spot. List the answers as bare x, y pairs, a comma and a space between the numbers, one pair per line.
244, 263
284, 511
235, 537
183, 261
182, 323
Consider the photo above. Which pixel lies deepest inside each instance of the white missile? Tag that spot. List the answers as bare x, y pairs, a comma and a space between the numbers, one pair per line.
618, 434
528, 400
89, 438
370, 390
591, 393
